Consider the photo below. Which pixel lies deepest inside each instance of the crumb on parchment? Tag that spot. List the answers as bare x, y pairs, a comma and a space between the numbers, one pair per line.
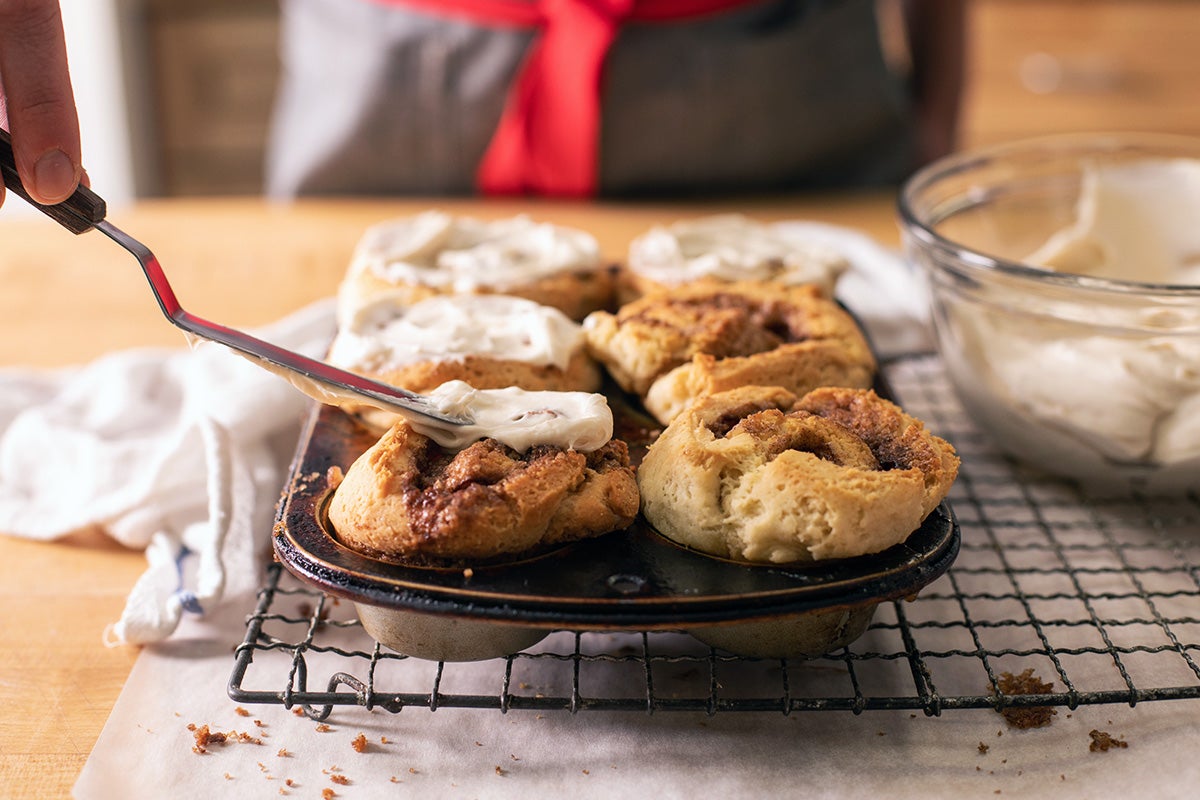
1026, 717
205, 737
1103, 741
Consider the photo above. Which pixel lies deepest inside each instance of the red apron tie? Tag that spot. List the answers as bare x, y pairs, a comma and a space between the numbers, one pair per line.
548, 138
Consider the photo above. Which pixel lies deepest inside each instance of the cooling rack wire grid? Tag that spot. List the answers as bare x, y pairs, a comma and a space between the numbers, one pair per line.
1098, 597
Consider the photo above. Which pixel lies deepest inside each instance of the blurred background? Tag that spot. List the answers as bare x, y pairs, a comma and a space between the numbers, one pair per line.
175, 95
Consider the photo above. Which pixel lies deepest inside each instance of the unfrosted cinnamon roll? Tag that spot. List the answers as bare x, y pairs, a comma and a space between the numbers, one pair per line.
673, 347
757, 474
407, 499
435, 253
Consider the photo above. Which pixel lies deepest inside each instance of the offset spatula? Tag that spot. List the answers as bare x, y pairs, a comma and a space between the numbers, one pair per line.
85, 210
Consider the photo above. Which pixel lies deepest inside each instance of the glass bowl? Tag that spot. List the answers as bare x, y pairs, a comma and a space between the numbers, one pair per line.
1090, 378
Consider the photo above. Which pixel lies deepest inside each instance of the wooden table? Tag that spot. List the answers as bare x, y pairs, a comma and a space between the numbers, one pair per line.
242, 262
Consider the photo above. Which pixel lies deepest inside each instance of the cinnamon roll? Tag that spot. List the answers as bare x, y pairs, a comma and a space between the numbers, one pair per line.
758, 474
487, 341
671, 348
408, 499
725, 248
434, 253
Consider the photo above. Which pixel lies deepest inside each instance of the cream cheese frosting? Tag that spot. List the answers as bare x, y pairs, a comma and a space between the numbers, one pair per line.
385, 334
1110, 380
1134, 222
520, 419
732, 247
464, 254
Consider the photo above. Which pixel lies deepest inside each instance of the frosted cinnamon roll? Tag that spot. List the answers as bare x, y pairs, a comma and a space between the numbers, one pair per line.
487, 341
758, 474
412, 499
435, 253
725, 248
673, 347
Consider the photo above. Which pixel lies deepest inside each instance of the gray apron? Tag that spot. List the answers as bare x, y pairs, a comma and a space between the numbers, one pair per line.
380, 99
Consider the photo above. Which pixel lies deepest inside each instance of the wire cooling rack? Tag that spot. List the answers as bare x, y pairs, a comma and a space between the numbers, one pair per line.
1056, 599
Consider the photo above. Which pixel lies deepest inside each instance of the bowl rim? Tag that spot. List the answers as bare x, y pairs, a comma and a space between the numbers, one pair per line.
912, 224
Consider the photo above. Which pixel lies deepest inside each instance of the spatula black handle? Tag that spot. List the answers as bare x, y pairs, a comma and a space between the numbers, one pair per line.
78, 213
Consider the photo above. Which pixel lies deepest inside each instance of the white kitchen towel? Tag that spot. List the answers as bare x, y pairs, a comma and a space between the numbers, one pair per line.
179, 452
183, 452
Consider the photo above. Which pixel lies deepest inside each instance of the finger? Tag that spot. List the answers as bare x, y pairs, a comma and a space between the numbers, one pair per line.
39, 100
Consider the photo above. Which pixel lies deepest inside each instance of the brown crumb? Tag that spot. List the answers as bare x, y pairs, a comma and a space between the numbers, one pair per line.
359, 743
394, 779
513, 757
479, 744
983, 748
283, 753
191, 726
412, 770
340, 780
290, 782
501, 771
260, 723
328, 794
204, 738
1026, 717
228, 777
323, 728
383, 740
586, 772
241, 712
1103, 741
468, 573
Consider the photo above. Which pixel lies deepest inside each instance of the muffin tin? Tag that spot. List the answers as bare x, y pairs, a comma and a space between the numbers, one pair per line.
634, 579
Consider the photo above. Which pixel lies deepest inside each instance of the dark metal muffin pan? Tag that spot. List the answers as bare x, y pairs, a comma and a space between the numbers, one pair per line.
634, 579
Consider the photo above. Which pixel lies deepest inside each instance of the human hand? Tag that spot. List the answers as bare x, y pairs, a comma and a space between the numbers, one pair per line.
37, 105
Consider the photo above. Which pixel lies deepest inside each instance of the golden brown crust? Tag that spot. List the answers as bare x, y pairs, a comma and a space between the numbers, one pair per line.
673, 347
576, 294
757, 474
409, 500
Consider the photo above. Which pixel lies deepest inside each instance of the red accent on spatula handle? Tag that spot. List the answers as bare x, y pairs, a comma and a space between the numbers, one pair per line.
78, 213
